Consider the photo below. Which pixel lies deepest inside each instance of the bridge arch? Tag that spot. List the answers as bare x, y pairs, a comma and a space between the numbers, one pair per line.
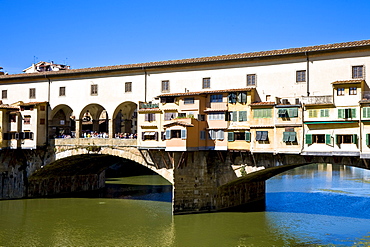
129, 153
93, 118
125, 118
61, 121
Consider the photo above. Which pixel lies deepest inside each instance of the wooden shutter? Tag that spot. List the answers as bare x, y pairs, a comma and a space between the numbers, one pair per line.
368, 139
292, 136
230, 136
168, 134
354, 138
286, 136
308, 139
327, 139
247, 136
183, 134
340, 113
235, 116
353, 113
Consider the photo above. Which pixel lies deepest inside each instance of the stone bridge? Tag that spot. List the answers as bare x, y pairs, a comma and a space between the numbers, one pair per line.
203, 181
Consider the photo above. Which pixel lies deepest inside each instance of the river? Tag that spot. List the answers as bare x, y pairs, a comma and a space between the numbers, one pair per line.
314, 205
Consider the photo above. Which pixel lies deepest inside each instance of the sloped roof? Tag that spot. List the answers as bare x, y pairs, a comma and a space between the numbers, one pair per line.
207, 92
280, 52
181, 123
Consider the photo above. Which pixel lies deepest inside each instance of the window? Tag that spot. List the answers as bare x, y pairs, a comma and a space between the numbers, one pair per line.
4, 94
312, 113
318, 138
262, 113
239, 136
42, 121
188, 101
150, 136
94, 89
165, 100
169, 115
32, 93
216, 134
216, 98
289, 136
242, 116
27, 120
149, 117
237, 97
232, 116
176, 134
201, 117
26, 135
366, 112
324, 113
346, 139
165, 86
301, 76
216, 116
128, 87
352, 90
340, 91
202, 135
287, 112
357, 72
42, 108
62, 91
206, 83
251, 80
368, 139
347, 113
262, 136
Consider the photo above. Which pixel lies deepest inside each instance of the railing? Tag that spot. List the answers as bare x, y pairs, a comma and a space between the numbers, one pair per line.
216, 106
148, 105
95, 141
316, 100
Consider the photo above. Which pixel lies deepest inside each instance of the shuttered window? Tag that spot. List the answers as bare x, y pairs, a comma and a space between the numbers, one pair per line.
262, 113
366, 112
242, 116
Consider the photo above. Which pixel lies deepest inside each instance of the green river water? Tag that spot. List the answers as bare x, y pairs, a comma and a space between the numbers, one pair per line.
315, 205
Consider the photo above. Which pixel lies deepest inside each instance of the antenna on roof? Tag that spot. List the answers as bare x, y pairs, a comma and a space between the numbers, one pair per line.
34, 59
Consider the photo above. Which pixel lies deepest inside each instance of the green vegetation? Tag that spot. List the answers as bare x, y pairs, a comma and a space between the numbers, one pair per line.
76, 165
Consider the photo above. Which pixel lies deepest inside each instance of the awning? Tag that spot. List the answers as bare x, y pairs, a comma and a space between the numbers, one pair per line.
149, 133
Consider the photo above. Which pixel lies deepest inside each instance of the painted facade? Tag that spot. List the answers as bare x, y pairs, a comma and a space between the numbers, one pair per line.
309, 100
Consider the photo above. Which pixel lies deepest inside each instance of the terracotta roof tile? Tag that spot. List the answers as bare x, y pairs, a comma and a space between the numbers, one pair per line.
347, 82
181, 123
207, 92
263, 103
288, 51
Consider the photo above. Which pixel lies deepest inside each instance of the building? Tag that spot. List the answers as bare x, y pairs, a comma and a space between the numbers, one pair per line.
309, 100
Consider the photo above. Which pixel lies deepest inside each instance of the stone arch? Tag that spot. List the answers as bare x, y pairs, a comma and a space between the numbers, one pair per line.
129, 153
61, 121
125, 118
93, 118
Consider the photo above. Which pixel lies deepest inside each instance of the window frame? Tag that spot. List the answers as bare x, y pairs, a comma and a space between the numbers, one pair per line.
353, 91
358, 72
301, 76
189, 101
128, 87
251, 79
32, 93
94, 90
4, 94
206, 82
62, 91
165, 86
340, 91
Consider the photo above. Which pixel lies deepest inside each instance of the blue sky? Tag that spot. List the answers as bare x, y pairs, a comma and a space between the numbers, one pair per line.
100, 33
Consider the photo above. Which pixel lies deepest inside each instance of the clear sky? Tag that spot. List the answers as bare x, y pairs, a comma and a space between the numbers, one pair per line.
100, 33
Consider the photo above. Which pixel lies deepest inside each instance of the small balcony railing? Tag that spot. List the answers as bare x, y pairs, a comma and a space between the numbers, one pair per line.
317, 100
148, 105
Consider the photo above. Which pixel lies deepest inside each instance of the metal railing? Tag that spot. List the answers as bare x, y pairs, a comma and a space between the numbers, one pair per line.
316, 100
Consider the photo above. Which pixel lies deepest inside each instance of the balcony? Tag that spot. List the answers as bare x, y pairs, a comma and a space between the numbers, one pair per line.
216, 106
148, 106
317, 100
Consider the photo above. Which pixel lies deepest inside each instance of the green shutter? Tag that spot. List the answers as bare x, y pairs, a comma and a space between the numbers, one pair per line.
286, 136
293, 112
368, 139
234, 116
247, 136
353, 113
230, 136
292, 136
354, 138
242, 116
366, 112
327, 139
243, 98
340, 113
324, 113
308, 139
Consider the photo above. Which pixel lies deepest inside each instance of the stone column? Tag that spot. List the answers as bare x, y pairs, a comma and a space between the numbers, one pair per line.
110, 128
78, 128
95, 126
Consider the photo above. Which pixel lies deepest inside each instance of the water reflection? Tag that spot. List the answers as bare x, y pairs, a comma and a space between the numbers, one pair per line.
310, 206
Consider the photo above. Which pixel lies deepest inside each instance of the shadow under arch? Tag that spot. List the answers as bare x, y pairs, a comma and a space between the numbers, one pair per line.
87, 173
61, 121
125, 118
93, 118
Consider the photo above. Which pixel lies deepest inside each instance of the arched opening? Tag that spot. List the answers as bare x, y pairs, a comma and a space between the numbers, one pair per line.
94, 121
125, 120
62, 123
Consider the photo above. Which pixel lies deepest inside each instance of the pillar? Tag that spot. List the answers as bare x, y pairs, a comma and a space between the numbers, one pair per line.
110, 128
78, 128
